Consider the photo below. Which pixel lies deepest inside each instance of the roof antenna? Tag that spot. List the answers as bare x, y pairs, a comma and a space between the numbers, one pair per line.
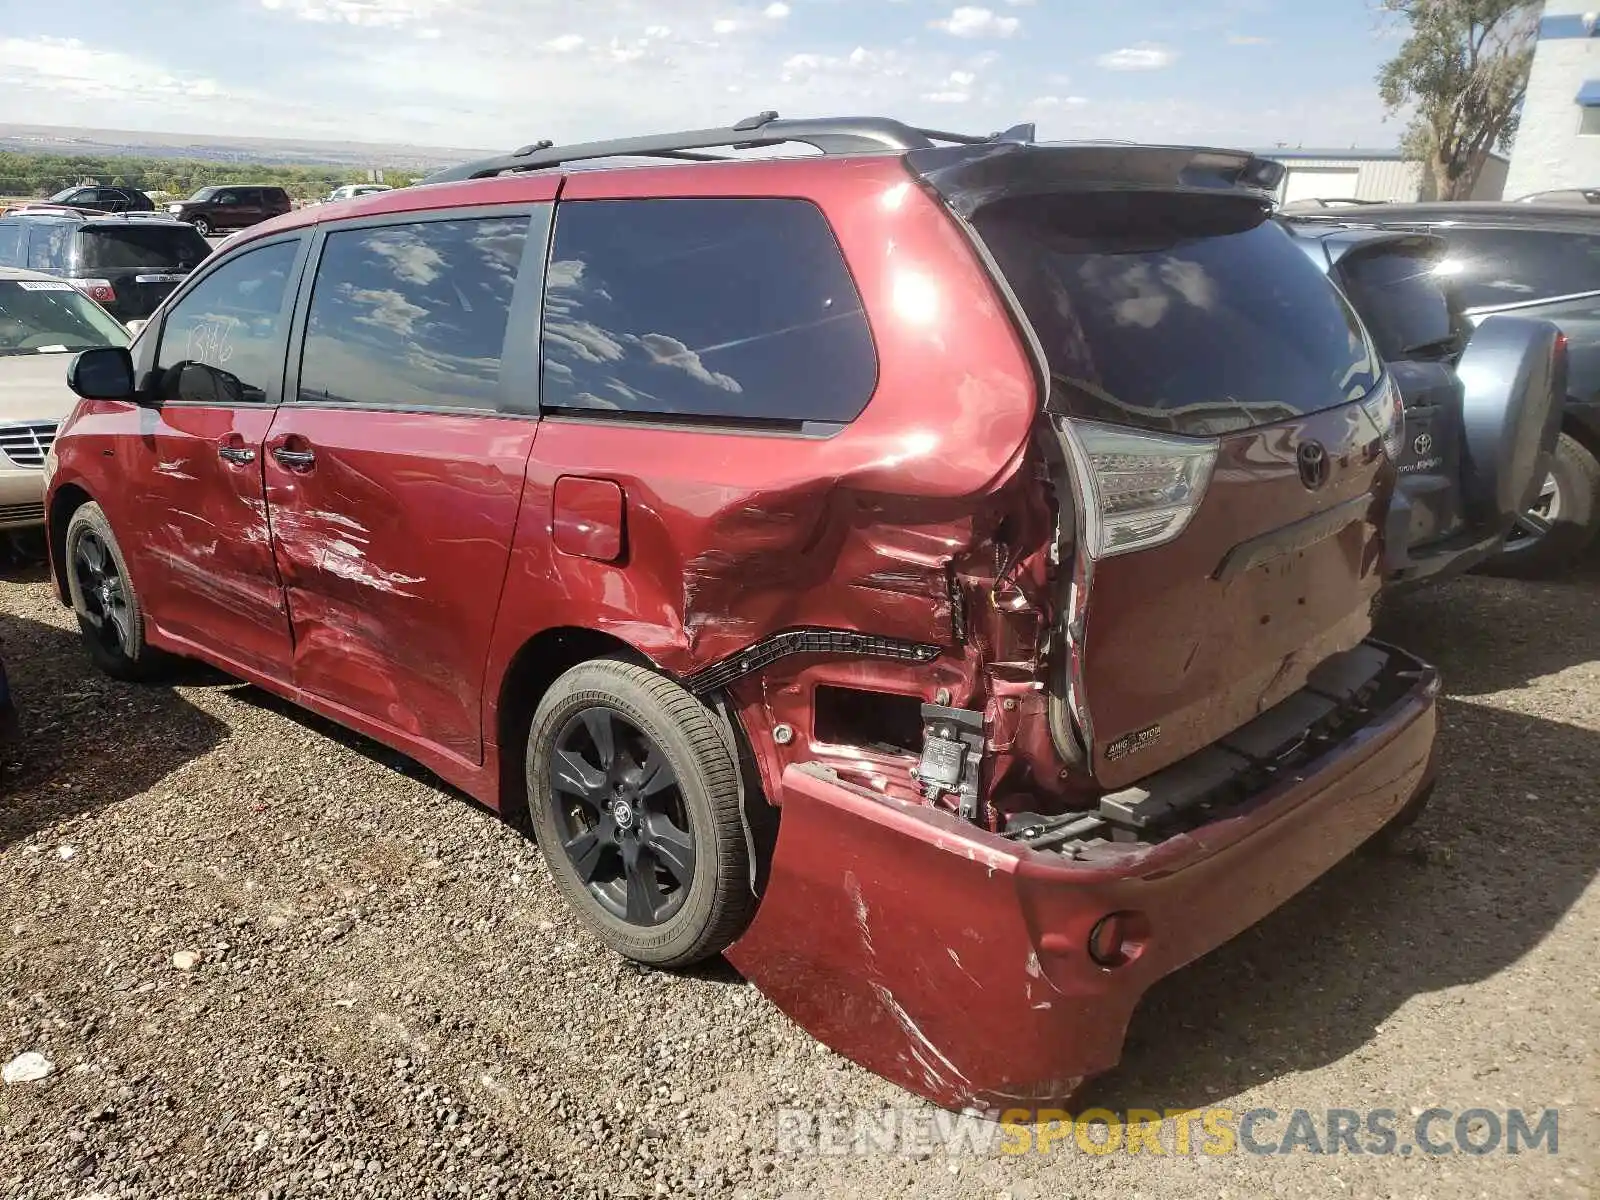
1024, 133
756, 122
524, 151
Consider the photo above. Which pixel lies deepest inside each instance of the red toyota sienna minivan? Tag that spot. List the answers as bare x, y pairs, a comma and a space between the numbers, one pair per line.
935, 572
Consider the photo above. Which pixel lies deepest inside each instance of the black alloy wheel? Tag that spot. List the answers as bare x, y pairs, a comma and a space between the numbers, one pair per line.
109, 609
635, 797
104, 591
622, 818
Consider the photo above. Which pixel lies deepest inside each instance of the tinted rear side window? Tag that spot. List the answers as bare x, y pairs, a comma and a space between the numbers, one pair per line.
163, 248
1506, 266
412, 315
1399, 296
1191, 314
726, 310
48, 246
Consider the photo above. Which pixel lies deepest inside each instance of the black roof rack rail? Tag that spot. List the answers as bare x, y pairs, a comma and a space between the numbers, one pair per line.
830, 135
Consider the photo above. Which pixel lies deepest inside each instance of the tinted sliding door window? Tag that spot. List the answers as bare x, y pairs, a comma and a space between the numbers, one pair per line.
412, 316
727, 310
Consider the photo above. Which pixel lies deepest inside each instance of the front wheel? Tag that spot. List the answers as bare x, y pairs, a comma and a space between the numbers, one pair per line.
108, 609
203, 227
633, 796
1561, 524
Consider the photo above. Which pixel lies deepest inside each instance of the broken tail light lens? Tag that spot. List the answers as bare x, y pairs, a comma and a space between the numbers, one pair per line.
98, 290
1146, 486
1387, 414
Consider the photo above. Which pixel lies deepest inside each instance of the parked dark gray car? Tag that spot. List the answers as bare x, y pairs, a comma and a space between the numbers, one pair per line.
1527, 260
1482, 404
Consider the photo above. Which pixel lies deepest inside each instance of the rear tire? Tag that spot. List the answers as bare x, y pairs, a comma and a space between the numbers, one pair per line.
1577, 519
633, 796
109, 613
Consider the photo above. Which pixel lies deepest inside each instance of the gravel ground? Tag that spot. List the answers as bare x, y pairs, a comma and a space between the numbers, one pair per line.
268, 958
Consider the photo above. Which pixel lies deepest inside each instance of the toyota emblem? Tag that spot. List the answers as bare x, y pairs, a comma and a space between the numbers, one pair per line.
1423, 445
1312, 460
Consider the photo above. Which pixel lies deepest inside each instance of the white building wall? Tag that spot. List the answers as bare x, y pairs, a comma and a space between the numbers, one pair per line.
1549, 151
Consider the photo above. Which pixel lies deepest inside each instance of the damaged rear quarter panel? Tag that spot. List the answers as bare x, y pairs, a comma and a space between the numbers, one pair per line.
731, 535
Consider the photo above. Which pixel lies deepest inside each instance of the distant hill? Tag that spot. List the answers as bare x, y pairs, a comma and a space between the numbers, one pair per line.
125, 143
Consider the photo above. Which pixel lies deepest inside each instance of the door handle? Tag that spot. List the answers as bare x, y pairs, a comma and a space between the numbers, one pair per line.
241, 455
295, 460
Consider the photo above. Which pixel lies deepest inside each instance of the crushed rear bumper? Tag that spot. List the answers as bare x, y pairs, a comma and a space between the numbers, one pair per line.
955, 962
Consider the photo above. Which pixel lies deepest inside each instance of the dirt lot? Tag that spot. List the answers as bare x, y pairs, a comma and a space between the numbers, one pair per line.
386, 999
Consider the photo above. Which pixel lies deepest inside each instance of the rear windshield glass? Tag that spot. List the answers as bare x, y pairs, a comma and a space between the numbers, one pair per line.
1399, 298
161, 247
1190, 314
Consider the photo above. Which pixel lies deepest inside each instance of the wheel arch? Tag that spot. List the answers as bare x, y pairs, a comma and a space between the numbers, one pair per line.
537, 664
543, 659
68, 499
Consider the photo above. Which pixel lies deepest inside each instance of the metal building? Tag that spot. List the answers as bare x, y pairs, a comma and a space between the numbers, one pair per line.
1376, 175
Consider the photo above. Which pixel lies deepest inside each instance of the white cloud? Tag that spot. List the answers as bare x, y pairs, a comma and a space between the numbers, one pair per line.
504, 73
969, 22
1146, 56
776, 11
724, 26
70, 68
956, 89
1248, 39
374, 13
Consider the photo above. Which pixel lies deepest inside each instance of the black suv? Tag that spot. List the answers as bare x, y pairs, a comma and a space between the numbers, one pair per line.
1482, 405
128, 264
231, 206
1528, 260
97, 198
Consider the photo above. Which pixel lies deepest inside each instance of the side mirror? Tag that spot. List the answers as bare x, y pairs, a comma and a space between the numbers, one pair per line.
104, 373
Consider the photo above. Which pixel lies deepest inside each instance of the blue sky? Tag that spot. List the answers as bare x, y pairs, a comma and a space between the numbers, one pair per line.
494, 73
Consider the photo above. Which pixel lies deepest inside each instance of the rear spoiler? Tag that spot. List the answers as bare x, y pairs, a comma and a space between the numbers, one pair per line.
970, 177
1329, 248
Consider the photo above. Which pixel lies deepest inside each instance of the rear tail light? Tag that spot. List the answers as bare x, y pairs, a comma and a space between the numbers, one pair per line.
1384, 408
98, 290
1146, 486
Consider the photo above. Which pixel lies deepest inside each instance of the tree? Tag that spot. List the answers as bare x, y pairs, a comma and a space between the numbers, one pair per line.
1464, 68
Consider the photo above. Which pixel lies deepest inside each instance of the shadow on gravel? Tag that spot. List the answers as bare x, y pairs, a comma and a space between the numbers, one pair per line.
87, 741
715, 970
1510, 842
1488, 635
377, 752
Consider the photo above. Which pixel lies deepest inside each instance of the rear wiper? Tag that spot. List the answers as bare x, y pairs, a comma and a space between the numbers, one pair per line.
1447, 342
